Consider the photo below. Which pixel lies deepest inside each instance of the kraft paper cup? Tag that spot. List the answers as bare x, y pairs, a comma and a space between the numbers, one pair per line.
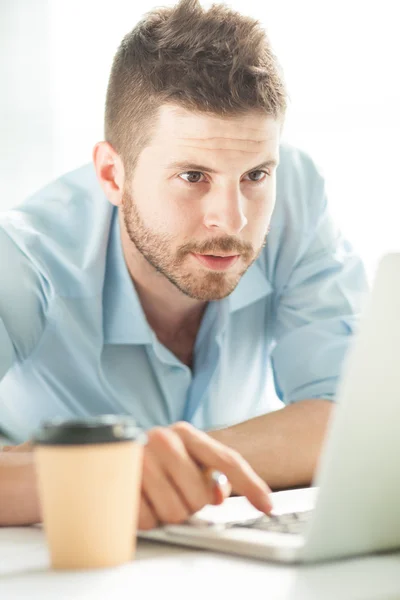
89, 481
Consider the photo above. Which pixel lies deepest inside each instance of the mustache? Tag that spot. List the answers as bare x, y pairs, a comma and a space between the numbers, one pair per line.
213, 246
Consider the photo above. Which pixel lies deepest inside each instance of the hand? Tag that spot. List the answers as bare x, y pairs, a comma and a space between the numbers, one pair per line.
173, 484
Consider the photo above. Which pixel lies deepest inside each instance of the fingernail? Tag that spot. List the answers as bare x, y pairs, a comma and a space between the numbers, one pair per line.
266, 504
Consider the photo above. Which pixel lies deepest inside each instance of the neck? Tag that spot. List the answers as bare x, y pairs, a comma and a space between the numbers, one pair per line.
168, 311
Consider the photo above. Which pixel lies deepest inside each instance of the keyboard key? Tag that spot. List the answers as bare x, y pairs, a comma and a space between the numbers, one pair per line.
286, 523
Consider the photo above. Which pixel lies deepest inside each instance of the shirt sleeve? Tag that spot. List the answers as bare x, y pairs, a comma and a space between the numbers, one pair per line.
22, 304
318, 307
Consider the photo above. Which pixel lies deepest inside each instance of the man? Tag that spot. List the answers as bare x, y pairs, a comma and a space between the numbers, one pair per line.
157, 283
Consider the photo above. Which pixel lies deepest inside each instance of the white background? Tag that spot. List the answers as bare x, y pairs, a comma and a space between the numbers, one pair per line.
340, 61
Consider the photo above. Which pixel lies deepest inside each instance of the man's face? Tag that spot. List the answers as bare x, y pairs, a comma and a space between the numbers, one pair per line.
200, 202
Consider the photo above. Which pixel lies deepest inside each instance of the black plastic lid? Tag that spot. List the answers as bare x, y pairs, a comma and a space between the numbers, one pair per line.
92, 430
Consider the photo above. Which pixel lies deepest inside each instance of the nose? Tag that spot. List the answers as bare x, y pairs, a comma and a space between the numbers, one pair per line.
225, 211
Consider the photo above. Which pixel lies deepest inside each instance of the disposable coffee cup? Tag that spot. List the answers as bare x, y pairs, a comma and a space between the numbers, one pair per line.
89, 480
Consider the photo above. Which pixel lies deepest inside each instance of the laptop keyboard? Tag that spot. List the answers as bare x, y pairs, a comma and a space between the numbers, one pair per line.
294, 522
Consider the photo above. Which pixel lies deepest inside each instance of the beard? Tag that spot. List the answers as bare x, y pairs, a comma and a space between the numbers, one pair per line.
157, 249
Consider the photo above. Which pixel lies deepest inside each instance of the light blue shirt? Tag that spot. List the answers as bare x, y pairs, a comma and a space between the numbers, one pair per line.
74, 340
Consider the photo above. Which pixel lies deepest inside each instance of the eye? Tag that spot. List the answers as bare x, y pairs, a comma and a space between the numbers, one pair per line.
257, 179
193, 176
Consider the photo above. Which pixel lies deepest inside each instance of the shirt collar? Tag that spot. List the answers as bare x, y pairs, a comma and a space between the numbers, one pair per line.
124, 318
253, 286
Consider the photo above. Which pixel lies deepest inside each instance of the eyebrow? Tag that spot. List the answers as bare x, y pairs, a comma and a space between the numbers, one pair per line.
188, 166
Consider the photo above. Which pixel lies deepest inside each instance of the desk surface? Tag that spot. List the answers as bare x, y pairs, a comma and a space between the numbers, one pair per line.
162, 570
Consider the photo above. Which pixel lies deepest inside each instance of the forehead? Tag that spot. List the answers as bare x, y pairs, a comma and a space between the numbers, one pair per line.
251, 132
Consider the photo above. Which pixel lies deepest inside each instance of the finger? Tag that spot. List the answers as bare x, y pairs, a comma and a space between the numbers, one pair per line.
212, 453
185, 474
147, 516
167, 504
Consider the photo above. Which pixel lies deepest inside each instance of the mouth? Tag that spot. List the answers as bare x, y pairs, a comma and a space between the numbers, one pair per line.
217, 262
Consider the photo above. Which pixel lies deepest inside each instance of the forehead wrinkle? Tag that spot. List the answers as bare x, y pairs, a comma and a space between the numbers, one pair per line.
226, 149
227, 139
222, 144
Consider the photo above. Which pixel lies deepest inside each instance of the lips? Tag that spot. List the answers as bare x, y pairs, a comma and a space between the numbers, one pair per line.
217, 263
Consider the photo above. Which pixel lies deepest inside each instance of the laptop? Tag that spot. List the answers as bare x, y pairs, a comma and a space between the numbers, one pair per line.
353, 507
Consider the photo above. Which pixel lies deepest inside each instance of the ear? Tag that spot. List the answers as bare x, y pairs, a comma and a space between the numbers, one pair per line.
110, 171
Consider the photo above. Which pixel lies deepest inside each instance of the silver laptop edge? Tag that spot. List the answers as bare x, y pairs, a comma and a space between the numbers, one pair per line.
359, 492
356, 510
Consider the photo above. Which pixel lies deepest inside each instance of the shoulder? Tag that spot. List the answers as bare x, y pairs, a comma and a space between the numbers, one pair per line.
63, 229
299, 180
300, 203
23, 297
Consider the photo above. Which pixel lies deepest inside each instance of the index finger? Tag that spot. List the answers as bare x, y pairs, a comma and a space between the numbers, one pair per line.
211, 453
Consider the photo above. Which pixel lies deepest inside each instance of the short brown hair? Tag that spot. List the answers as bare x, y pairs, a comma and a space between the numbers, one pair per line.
217, 61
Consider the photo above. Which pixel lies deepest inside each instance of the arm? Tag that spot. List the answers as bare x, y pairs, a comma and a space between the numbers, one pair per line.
283, 447
21, 324
174, 484
22, 302
19, 503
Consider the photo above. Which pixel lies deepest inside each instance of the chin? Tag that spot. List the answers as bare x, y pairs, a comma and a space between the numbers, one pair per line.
214, 286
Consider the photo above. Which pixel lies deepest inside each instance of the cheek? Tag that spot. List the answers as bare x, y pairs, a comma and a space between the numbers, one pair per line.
261, 214
180, 211
157, 207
